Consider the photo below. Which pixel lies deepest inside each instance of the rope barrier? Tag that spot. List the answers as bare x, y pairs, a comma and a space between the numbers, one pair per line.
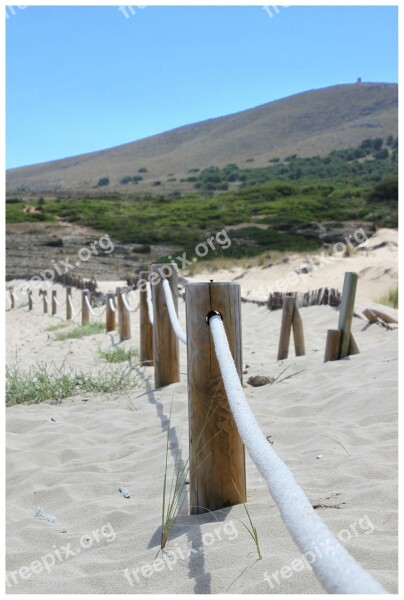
127, 306
71, 306
149, 302
173, 313
90, 308
111, 304
336, 569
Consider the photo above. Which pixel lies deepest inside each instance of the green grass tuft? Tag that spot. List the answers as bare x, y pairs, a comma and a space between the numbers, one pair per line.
117, 355
390, 299
81, 331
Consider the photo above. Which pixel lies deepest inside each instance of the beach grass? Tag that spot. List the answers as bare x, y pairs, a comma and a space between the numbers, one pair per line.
81, 331
390, 298
117, 355
47, 382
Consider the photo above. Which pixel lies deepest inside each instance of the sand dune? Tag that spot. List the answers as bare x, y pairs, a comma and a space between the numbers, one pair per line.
334, 424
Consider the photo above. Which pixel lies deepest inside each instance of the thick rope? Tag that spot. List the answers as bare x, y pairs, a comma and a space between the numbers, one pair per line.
71, 306
149, 302
127, 306
90, 308
336, 569
173, 313
111, 305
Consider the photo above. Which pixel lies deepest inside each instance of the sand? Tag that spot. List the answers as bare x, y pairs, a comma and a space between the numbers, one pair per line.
334, 424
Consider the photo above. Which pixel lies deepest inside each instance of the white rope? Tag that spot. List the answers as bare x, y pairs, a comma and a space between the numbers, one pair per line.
173, 313
45, 297
90, 308
111, 305
126, 304
71, 305
149, 302
336, 569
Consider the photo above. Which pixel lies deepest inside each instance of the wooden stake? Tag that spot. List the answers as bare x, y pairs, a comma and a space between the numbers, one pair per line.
54, 305
123, 316
353, 346
45, 300
216, 451
146, 328
165, 342
332, 345
286, 326
30, 303
110, 315
68, 307
85, 312
298, 334
12, 298
346, 311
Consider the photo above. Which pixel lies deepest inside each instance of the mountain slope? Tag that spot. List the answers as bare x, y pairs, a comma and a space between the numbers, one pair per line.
307, 124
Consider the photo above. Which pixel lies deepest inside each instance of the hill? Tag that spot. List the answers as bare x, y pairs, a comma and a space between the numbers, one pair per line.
308, 124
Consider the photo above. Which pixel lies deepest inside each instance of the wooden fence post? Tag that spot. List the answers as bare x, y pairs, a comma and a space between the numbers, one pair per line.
332, 345
286, 326
123, 317
45, 300
146, 328
110, 314
85, 312
30, 300
54, 305
12, 298
216, 452
68, 307
165, 342
298, 334
346, 312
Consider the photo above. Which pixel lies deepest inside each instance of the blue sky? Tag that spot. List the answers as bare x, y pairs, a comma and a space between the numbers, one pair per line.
81, 79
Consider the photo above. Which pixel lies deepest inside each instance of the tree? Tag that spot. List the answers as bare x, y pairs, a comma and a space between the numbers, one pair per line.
103, 181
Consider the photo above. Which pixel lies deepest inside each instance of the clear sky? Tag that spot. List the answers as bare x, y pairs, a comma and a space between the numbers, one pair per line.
81, 79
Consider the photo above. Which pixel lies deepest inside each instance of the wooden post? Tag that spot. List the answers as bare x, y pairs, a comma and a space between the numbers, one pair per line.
216, 451
12, 298
123, 316
45, 300
68, 307
110, 315
165, 342
85, 312
298, 334
286, 326
346, 312
54, 306
332, 345
30, 300
146, 328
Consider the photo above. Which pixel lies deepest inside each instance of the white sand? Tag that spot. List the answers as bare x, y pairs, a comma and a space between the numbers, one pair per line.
71, 458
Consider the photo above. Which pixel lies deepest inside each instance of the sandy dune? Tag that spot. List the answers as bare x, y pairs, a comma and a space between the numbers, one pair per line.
334, 424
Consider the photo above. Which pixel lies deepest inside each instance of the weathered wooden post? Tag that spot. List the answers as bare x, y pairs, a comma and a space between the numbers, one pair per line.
165, 342
68, 306
45, 300
12, 298
298, 334
85, 312
332, 345
346, 312
286, 326
146, 328
216, 451
54, 306
109, 312
123, 316
30, 303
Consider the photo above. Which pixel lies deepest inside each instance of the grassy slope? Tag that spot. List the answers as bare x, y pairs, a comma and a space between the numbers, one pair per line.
306, 124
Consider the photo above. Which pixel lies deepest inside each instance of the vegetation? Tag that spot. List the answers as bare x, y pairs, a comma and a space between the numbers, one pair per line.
118, 355
81, 331
47, 382
280, 205
103, 181
390, 299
